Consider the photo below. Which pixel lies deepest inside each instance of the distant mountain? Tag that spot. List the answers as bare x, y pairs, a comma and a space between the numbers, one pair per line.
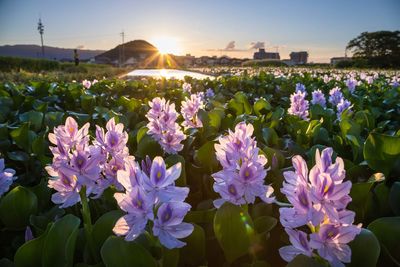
133, 51
35, 51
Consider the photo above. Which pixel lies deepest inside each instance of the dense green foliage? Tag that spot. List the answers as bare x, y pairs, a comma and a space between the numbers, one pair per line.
377, 49
368, 140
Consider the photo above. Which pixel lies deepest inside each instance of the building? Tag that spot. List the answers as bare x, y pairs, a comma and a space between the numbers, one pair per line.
336, 60
299, 57
261, 54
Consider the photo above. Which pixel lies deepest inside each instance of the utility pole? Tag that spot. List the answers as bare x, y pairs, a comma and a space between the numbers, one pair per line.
122, 47
41, 31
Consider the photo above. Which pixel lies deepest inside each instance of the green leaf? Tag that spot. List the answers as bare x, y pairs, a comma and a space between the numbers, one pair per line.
117, 252
170, 257
234, 230
17, 206
88, 102
30, 253
382, 152
387, 230
265, 224
59, 246
302, 261
148, 147
365, 249
205, 156
394, 198
102, 229
34, 117
23, 137
270, 136
194, 252
261, 107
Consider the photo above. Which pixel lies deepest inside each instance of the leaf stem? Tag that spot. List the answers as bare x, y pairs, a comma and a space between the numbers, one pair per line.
87, 223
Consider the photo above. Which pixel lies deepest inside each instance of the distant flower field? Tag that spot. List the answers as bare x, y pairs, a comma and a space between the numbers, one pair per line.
259, 167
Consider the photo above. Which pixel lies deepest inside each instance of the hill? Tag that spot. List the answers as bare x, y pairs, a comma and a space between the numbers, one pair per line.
134, 51
35, 51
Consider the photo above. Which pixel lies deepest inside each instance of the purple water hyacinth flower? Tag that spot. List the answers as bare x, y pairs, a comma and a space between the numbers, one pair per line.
28, 234
369, 79
139, 208
210, 93
168, 225
331, 243
131, 176
189, 109
301, 88
351, 84
319, 200
6, 177
86, 83
115, 140
243, 174
161, 182
85, 165
300, 245
318, 98
157, 106
70, 135
67, 188
146, 165
342, 106
187, 88
171, 141
163, 127
335, 95
230, 190
299, 105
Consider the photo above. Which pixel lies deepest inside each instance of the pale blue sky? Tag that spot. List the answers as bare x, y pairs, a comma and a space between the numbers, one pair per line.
323, 28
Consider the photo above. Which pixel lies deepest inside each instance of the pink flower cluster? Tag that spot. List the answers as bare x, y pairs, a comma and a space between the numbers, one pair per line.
163, 126
242, 178
319, 200
189, 110
77, 162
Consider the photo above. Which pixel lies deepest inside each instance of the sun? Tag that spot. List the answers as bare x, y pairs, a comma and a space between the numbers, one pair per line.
167, 45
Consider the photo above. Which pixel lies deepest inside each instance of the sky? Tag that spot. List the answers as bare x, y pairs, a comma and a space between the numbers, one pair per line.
200, 27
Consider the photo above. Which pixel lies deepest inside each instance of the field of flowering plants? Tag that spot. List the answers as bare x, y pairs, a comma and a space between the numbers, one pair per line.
275, 167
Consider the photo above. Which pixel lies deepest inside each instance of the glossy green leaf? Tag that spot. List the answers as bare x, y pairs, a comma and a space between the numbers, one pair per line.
102, 229
365, 250
234, 230
303, 261
205, 156
35, 119
394, 198
17, 206
118, 252
382, 152
194, 252
59, 246
387, 230
30, 253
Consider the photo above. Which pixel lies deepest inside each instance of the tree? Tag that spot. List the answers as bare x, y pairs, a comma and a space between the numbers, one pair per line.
380, 49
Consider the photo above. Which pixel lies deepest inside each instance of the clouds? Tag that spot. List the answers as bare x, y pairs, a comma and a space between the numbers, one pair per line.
257, 45
230, 46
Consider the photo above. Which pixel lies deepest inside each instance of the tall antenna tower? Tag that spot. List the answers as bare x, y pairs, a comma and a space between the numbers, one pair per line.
40, 28
123, 48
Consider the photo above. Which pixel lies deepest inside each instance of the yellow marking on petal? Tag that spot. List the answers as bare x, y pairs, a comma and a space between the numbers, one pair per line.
326, 188
247, 174
71, 129
74, 178
158, 174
